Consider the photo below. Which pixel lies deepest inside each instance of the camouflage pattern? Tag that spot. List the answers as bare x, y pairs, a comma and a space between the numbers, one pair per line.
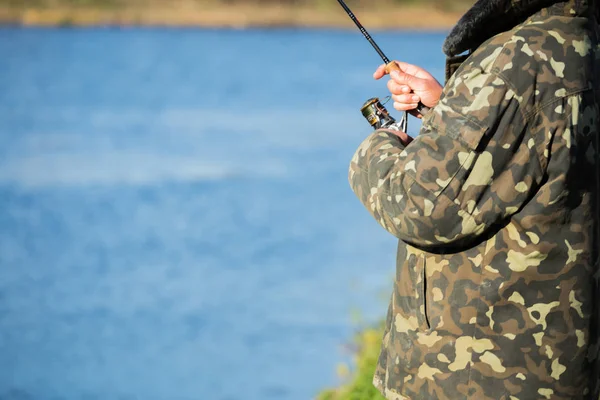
495, 204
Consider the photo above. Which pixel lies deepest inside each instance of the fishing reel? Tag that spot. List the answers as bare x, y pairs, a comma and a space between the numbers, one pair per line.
378, 116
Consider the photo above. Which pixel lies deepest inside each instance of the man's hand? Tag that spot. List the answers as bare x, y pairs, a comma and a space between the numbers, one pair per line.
411, 85
404, 137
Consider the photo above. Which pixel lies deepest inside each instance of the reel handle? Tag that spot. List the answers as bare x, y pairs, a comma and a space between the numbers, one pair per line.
393, 66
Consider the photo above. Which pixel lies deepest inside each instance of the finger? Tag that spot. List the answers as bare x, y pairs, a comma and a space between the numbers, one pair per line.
380, 72
411, 81
406, 98
404, 106
396, 88
415, 113
412, 69
404, 66
400, 88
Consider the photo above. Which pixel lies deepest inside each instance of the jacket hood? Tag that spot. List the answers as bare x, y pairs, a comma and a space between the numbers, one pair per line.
489, 17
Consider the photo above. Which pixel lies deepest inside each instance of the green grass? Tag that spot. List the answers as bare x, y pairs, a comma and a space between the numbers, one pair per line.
358, 383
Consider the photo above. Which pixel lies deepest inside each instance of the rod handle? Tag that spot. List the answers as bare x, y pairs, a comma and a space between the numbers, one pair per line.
393, 66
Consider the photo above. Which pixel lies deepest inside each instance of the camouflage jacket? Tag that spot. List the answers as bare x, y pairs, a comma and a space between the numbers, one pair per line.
495, 204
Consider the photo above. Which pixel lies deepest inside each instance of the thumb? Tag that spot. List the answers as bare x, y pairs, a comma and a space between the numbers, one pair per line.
409, 80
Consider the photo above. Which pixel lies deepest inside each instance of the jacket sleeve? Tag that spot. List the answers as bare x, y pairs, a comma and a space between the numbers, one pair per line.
473, 164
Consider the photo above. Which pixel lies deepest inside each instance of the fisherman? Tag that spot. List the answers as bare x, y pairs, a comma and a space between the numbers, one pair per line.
495, 205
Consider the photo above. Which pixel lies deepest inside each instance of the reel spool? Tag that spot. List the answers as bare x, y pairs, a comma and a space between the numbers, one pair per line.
378, 116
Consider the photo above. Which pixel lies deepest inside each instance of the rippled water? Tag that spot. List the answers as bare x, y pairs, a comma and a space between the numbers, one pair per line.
175, 217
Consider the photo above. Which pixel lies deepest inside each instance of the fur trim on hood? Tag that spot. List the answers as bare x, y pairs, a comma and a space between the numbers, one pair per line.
489, 17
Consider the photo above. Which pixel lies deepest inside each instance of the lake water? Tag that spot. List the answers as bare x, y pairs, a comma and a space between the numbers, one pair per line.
175, 217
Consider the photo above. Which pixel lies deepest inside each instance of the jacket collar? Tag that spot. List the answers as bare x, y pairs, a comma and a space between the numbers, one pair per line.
489, 17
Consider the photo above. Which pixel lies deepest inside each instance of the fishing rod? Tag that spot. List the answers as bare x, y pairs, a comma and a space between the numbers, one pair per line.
364, 31
370, 108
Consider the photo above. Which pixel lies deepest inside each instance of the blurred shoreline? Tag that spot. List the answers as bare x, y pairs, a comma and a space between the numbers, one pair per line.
237, 16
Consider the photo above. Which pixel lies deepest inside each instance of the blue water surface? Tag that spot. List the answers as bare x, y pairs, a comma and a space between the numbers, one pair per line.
175, 217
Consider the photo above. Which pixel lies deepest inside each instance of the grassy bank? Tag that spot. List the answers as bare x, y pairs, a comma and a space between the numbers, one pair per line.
359, 384
424, 15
